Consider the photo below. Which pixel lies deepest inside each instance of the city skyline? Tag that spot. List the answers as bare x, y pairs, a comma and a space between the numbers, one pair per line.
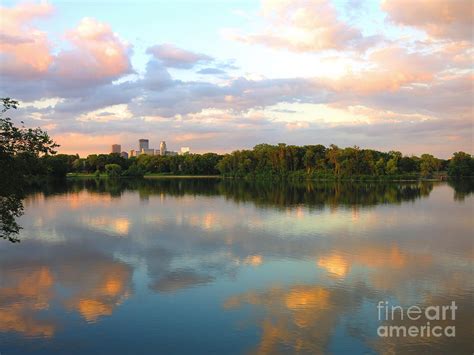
144, 148
377, 74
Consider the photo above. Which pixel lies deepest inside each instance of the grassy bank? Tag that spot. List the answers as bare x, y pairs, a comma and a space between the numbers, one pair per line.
83, 175
147, 176
291, 177
166, 176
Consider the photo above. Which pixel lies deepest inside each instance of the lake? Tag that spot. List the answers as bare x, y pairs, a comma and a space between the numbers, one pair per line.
206, 266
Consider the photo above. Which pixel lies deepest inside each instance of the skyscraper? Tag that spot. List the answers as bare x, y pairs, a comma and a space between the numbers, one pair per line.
116, 148
143, 144
162, 148
147, 151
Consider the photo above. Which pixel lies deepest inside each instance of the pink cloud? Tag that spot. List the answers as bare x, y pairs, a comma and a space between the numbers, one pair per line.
99, 54
24, 50
438, 18
390, 69
303, 26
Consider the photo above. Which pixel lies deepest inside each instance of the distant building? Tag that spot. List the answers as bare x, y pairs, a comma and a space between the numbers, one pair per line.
143, 144
124, 155
147, 151
169, 152
185, 150
162, 148
133, 153
116, 148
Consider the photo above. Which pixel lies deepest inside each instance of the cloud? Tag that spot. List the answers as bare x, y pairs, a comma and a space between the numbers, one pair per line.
24, 50
372, 97
211, 71
439, 19
175, 57
32, 69
239, 94
388, 69
99, 55
156, 76
202, 114
303, 26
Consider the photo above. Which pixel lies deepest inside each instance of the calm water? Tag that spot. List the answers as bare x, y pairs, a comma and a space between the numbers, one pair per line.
205, 266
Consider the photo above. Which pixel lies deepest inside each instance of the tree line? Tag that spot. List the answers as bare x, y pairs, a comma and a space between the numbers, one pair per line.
115, 165
264, 161
333, 162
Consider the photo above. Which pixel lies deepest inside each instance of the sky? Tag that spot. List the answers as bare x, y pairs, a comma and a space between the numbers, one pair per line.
226, 75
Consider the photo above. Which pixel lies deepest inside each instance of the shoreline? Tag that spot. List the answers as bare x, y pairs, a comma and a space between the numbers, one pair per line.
151, 176
183, 177
355, 179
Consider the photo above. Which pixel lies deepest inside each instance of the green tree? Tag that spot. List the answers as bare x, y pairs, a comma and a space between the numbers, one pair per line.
113, 170
380, 167
461, 165
56, 166
79, 165
15, 140
134, 170
391, 167
392, 163
20, 151
333, 156
428, 165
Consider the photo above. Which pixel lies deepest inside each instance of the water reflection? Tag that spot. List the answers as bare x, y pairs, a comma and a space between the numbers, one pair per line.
300, 318
462, 188
67, 276
266, 269
262, 194
24, 293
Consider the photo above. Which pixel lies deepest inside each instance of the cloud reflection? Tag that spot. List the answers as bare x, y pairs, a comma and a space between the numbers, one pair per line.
92, 284
23, 293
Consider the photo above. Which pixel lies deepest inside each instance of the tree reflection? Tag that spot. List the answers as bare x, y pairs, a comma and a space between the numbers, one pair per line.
281, 195
462, 188
262, 194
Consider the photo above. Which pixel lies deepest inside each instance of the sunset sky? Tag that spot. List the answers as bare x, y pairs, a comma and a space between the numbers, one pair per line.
226, 75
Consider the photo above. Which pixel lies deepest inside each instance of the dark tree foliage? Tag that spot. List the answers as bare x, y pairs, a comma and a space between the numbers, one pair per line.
22, 156
188, 164
15, 140
11, 206
461, 165
113, 170
319, 162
